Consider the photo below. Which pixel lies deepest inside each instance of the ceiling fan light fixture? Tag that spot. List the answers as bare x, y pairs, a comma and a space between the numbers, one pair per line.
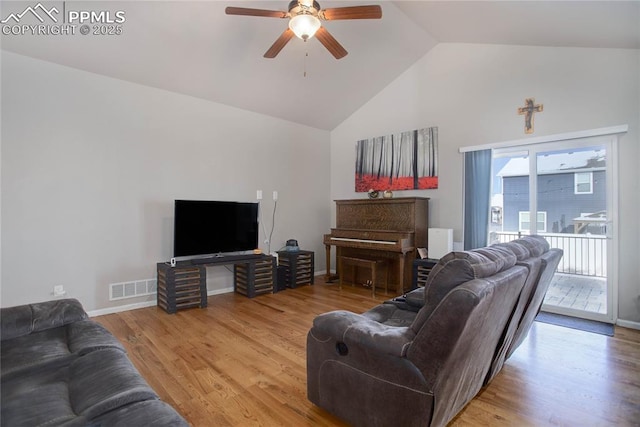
304, 25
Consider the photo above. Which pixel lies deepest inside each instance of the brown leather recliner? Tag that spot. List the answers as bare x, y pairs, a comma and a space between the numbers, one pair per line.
393, 366
403, 322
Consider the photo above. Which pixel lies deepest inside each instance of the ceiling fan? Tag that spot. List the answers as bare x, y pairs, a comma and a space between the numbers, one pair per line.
304, 22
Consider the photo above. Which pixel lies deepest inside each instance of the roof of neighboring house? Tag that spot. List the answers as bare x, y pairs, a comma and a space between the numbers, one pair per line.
565, 162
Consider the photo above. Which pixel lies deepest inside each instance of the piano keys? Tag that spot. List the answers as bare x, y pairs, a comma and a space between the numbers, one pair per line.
380, 228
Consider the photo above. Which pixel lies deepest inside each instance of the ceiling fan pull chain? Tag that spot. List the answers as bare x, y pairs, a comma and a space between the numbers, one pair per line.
305, 63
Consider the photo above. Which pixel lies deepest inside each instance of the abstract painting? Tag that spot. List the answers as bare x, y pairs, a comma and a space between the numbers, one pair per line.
402, 161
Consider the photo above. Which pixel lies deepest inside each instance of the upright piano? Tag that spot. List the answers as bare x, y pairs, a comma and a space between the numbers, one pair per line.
380, 228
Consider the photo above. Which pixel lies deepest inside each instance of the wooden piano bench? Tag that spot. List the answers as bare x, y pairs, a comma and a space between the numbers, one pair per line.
373, 264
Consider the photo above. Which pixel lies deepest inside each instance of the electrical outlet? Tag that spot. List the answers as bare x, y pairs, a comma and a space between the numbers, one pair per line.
58, 290
275, 195
259, 195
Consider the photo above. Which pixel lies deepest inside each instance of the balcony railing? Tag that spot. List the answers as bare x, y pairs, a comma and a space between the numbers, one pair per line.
584, 254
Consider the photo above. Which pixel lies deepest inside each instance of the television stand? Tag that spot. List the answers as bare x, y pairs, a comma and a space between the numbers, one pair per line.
185, 285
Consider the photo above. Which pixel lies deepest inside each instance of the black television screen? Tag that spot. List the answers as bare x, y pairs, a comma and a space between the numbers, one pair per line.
213, 227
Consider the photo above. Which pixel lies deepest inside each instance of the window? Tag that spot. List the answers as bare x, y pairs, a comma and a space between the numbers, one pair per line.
524, 220
537, 177
583, 183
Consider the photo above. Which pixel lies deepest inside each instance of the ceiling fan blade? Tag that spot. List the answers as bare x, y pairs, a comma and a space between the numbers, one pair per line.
276, 47
330, 43
256, 12
354, 12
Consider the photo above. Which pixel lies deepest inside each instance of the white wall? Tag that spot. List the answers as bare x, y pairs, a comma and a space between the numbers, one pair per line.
91, 166
471, 92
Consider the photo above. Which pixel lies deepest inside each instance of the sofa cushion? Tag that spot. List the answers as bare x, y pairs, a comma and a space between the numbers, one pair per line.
496, 260
55, 347
37, 398
87, 336
154, 413
456, 268
391, 315
537, 245
90, 386
30, 352
519, 250
459, 267
104, 380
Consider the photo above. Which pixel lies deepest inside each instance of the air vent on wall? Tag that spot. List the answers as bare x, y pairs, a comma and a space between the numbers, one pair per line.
135, 288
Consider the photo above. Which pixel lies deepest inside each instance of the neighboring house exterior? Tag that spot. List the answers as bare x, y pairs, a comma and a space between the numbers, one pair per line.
571, 194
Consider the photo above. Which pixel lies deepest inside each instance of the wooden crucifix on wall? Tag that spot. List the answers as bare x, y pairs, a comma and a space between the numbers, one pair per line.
529, 109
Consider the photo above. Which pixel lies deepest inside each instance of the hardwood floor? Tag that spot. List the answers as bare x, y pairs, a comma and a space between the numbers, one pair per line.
242, 362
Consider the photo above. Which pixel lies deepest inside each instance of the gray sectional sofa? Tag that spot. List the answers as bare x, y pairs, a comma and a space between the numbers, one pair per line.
419, 359
61, 369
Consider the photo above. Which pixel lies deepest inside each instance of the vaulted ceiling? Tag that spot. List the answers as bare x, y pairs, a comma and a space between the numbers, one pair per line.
194, 48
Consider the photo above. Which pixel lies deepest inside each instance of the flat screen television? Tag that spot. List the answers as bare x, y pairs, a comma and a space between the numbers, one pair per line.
214, 227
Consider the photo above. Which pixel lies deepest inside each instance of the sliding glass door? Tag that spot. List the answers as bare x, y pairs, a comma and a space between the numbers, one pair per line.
562, 191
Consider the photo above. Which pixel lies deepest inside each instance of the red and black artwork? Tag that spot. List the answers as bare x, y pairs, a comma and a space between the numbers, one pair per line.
402, 161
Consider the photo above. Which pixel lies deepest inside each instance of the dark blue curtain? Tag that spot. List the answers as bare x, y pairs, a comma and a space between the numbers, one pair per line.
477, 197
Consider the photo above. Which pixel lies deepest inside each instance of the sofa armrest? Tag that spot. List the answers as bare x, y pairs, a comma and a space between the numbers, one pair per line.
356, 330
25, 319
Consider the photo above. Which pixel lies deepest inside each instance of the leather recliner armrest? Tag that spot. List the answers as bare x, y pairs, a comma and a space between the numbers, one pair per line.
356, 330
